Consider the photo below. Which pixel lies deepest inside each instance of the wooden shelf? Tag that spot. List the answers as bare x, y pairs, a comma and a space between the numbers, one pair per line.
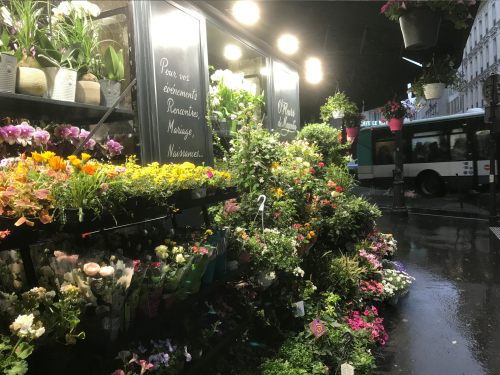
34, 107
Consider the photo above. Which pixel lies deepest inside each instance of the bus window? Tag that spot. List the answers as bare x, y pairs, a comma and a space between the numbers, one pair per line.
483, 144
458, 143
384, 152
429, 149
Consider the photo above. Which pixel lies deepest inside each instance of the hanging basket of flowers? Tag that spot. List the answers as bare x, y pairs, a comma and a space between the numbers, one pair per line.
394, 113
420, 20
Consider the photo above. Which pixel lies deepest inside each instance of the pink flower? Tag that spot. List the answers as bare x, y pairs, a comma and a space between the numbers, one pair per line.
118, 372
10, 134
113, 147
210, 174
91, 269
41, 137
321, 164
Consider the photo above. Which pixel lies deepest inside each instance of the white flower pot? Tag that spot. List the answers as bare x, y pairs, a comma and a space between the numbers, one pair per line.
88, 92
61, 83
338, 114
8, 70
110, 92
433, 90
31, 81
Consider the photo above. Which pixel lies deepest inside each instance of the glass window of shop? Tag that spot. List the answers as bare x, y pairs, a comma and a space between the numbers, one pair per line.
237, 67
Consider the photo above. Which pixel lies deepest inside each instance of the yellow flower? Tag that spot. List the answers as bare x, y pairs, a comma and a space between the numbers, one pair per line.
37, 157
85, 156
72, 157
279, 193
57, 163
244, 235
209, 232
311, 234
76, 162
275, 165
47, 155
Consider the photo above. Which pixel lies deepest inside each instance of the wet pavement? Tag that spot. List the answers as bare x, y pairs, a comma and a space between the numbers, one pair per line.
449, 323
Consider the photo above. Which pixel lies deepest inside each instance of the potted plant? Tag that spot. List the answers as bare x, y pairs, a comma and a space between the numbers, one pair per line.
113, 69
395, 112
352, 121
335, 106
76, 19
436, 76
8, 64
22, 17
58, 57
420, 20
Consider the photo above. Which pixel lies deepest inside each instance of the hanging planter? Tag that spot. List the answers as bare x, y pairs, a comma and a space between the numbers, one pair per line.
8, 70
433, 90
61, 83
337, 114
395, 124
31, 81
352, 133
420, 28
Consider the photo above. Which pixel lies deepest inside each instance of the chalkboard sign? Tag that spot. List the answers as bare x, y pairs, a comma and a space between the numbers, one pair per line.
176, 84
285, 100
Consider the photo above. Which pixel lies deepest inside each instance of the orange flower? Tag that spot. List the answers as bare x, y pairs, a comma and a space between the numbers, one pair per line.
57, 163
89, 169
37, 156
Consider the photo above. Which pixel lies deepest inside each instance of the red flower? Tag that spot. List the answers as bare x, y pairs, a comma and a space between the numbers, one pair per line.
4, 233
156, 264
312, 171
339, 189
137, 264
321, 164
195, 249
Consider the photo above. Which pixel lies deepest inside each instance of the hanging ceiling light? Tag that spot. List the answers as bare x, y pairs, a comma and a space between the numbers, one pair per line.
314, 70
288, 44
232, 52
246, 12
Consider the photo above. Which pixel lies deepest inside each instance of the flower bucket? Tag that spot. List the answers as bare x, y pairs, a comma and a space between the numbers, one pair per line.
191, 280
352, 133
31, 81
208, 277
110, 92
88, 92
61, 83
420, 28
433, 90
8, 70
395, 124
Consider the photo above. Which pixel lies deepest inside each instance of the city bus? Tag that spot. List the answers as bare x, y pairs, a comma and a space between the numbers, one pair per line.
438, 153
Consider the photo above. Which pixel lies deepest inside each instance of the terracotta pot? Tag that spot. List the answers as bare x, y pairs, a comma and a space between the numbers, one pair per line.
88, 92
395, 124
8, 70
352, 133
420, 28
31, 81
434, 90
61, 83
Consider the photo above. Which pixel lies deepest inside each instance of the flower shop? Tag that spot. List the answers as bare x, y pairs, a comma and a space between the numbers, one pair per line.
231, 244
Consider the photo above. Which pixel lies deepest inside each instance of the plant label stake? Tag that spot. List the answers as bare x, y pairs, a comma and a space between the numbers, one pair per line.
261, 201
299, 309
346, 369
317, 327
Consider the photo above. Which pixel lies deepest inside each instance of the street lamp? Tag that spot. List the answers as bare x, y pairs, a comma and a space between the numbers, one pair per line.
398, 192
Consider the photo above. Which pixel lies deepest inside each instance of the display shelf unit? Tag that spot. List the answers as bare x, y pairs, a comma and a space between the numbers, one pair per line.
34, 107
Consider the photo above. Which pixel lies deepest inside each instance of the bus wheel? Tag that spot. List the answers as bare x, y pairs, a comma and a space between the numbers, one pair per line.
430, 184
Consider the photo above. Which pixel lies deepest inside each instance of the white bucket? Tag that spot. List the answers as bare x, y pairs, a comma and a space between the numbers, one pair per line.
61, 83
8, 71
433, 90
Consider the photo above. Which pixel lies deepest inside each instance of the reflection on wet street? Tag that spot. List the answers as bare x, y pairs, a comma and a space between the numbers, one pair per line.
449, 324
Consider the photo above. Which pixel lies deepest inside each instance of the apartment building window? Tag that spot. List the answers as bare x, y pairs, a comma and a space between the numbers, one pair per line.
475, 35
480, 28
495, 49
494, 13
486, 22
487, 56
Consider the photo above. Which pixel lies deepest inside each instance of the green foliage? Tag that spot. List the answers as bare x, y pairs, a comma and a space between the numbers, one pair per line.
344, 274
5, 41
328, 141
339, 103
113, 64
50, 54
13, 355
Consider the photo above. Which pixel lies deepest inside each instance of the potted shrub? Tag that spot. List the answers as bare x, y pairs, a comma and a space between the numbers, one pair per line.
420, 20
335, 106
352, 121
22, 17
8, 64
76, 19
57, 56
113, 71
436, 76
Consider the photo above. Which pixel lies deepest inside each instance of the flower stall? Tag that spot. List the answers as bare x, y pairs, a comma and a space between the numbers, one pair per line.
190, 258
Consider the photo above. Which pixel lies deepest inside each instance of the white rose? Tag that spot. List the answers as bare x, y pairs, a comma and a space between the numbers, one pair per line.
179, 258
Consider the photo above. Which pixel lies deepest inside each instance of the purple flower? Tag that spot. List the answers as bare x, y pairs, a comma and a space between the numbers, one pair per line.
89, 145
32, 51
399, 266
67, 132
11, 133
41, 136
114, 148
26, 132
83, 134
3, 135
159, 360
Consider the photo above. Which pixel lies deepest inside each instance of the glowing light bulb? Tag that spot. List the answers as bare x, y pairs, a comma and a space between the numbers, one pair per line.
246, 12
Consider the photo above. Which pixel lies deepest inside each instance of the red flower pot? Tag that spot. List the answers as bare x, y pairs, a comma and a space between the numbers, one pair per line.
395, 124
352, 133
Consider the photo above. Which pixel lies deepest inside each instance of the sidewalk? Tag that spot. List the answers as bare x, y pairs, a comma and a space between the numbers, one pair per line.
470, 205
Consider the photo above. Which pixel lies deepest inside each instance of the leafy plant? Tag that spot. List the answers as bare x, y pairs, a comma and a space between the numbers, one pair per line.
338, 103
52, 54
328, 141
23, 17
345, 273
113, 64
5, 42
